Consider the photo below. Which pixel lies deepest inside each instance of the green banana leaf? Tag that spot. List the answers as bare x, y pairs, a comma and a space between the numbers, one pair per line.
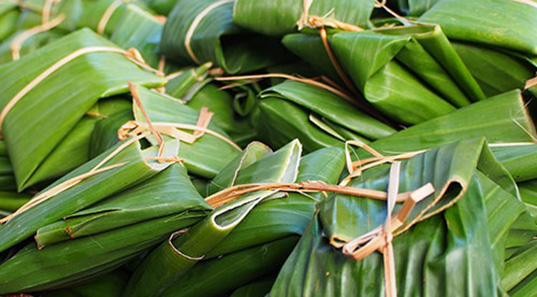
254, 152
414, 75
94, 76
412, 7
168, 262
135, 168
168, 193
500, 119
226, 111
78, 140
269, 222
449, 250
289, 110
495, 71
216, 276
105, 131
11, 201
528, 194
9, 14
495, 23
70, 262
7, 179
206, 28
89, 13
139, 29
108, 285
208, 154
31, 44
258, 288
520, 160
329, 106
188, 81
194, 87
163, 7
277, 18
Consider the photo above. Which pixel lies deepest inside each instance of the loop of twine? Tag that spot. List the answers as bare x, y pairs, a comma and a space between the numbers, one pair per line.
17, 43
130, 54
194, 25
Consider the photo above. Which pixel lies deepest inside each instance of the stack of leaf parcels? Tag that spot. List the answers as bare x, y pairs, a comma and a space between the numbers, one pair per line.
268, 148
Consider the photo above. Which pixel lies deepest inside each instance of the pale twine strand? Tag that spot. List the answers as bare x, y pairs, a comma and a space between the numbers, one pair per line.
194, 25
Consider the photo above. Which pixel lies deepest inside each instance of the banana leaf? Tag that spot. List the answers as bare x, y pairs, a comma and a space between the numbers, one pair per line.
413, 7
82, 259
188, 81
7, 179
415, 74
258, 288
194, 87
163, 7
495, 71
93, 76
216, 276
11, 201
226, 111
520, 160
130, 167
79, 140
268, 223
92, 14
9, 14
168, 193
204, 157
31, 44
174, 258
277, 18
108, 285
139, 29
449, 250
500, 119
496, 23
528, 194
202, 31
289, 110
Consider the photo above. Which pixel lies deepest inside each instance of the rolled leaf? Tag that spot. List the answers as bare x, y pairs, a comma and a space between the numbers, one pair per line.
202, 31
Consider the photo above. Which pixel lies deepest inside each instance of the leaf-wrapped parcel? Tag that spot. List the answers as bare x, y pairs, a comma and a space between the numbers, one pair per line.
82, 61
110, 217
451, 237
